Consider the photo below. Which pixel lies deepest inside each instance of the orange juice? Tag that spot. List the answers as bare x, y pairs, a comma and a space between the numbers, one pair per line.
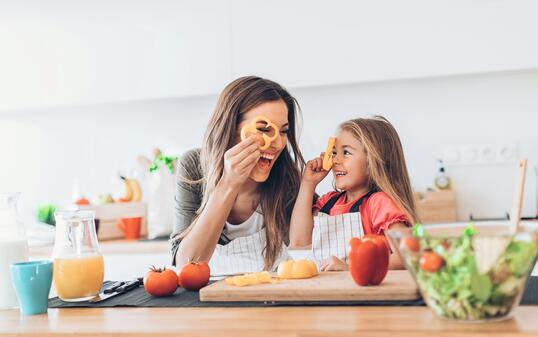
77, 278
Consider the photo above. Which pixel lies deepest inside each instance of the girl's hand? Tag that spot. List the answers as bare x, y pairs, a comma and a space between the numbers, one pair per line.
314, 172
240, 160
333, 264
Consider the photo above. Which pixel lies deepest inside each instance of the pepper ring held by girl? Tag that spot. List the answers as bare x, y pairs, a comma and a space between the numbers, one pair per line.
328, 157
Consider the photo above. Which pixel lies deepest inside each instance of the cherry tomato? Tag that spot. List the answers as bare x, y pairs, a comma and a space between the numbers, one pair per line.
194, 275
160, 282
431, 262
411, 244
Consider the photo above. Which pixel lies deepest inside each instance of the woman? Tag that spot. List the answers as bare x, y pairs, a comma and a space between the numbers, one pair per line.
234, 200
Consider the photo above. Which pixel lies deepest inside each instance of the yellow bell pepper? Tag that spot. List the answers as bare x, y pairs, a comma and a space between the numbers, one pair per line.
297, 269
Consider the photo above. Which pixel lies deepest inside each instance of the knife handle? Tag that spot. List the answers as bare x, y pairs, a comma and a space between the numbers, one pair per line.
113, 287
128, 286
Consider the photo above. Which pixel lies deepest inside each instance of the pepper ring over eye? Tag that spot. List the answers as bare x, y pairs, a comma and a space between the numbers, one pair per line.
252, 128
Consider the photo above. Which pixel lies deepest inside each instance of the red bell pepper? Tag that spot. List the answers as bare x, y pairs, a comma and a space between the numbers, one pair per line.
369, 259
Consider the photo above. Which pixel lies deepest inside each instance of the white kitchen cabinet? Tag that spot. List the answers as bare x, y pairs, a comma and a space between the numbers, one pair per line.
307, 43
57, 52
74, 52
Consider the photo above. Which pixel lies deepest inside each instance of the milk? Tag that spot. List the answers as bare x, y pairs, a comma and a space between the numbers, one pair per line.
11, 251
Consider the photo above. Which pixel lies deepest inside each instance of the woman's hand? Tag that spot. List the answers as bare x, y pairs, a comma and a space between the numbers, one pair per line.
240, 160
314, 172
333, 264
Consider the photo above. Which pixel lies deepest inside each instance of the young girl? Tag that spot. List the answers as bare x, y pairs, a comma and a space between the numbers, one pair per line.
373, 193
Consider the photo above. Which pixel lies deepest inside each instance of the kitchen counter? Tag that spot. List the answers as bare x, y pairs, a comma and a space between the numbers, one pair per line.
116, 247
125, 247
275, 321
281, 321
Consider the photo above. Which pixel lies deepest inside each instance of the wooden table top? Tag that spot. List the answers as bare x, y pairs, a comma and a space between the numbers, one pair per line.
274, 322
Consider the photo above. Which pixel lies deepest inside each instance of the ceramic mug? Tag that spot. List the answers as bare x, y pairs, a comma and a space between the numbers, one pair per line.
32, 281
130, 227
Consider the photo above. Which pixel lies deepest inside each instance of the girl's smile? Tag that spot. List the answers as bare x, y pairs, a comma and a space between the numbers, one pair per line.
349, 165
339, 174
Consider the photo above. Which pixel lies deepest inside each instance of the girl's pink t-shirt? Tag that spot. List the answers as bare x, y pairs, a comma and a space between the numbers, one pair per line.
378, 211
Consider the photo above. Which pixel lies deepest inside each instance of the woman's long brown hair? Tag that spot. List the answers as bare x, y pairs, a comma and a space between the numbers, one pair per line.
387, 171
279, 191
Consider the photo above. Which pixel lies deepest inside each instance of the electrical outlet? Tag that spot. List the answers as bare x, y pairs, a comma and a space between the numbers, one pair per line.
488, 154
507, 153
451, 156
485, 154
469, 155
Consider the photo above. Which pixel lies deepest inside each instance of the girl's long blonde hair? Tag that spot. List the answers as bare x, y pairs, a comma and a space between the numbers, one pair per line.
279, 191
387, 171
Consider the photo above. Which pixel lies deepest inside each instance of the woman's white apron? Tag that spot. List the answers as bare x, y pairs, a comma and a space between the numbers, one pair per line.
243, 255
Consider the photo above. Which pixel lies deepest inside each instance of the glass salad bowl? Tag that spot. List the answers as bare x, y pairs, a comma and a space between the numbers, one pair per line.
468, 272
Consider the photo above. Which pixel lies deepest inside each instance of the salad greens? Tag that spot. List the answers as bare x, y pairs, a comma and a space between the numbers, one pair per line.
470, 284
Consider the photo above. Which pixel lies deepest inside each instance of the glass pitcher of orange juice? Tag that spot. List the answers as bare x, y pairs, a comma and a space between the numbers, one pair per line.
78, 268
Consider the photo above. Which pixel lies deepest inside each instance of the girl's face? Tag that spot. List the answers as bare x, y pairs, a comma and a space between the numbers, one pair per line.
276, 112
349, 163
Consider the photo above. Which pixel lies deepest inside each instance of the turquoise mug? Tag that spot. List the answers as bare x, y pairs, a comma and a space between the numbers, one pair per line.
32, 281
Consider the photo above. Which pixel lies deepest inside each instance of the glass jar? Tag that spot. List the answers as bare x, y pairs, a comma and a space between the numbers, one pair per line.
78, 269
13, 247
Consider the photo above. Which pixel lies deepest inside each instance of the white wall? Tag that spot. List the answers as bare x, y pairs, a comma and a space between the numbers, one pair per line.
43, 151
351, 41
63, 52
73, 52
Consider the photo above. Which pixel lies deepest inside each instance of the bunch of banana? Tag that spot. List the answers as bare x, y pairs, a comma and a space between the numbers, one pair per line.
133, 192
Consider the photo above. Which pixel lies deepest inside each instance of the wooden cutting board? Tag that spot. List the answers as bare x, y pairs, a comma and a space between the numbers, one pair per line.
328, 286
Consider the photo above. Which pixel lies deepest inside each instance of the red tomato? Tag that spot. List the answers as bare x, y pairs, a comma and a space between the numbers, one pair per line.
431, 262
411, 244
369, 259
160, 282
194, 275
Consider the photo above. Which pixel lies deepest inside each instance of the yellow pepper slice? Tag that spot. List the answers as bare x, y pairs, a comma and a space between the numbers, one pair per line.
251, 279
251, 128
328, 157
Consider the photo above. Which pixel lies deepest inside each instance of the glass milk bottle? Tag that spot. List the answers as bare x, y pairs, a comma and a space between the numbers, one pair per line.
78, 268
13, 247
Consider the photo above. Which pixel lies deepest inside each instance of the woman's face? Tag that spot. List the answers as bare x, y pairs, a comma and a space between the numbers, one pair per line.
349, 163
276, 112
